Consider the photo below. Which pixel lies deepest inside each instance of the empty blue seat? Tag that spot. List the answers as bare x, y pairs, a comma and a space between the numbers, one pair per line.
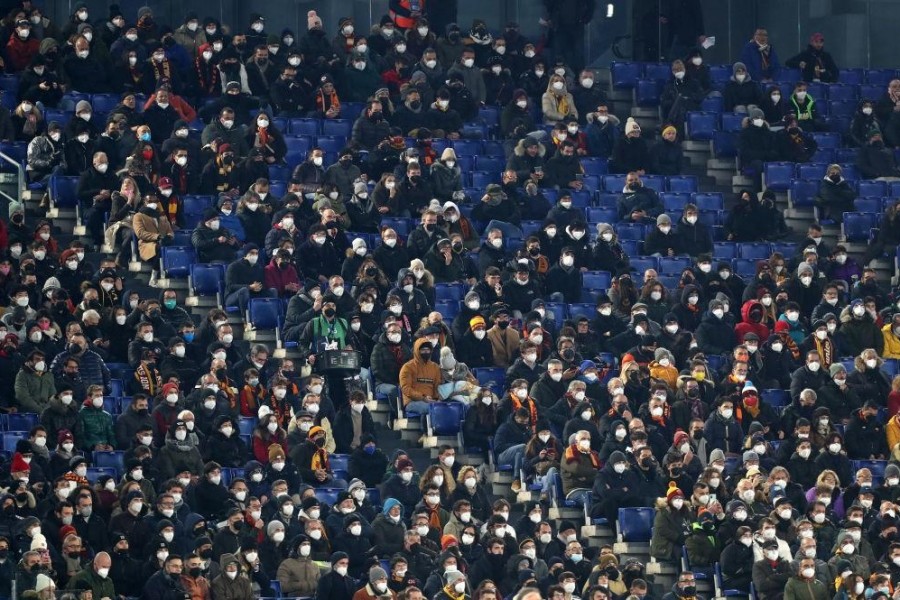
724, 144
558, 310
20, 421
489, 163
745, 267
489, 115
850, 76
308, 127
630, 231
841, 108
673, 265
64, 191
482, 179
331, 143
600, 214
636, 524
776, 397
674, 202
647, 92
448, 308
719, 585
624, 75
298, 145
328, 495
446, 418
849, 171
112, 460
856, 226
701, 125
177, 260
399, 225
872, 188
657, 183
595, 166
207, 280
867, 205
117, 387
869, 91
449, 291
337, 127
467, 147
880, 77
265, 313
733, 122
725, 250
583, 309
843, 93
492, 377
786, 249
682, 184
754, 250
614, 183
710, 201
778, 175
715, 104
803, 192
340, 461
95, 473
596, 280
846, 155
105, 103
642, 263
877, 467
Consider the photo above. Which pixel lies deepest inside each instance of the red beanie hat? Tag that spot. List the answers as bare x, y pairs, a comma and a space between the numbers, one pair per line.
19, 464
782, 327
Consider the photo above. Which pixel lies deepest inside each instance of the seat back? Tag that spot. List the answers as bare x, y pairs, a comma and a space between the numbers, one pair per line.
207, 280
265, 313
635, 524
177, 260
64, 191
446, 417
492, 377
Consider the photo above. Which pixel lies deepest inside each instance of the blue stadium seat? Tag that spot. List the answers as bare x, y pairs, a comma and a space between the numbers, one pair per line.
489, 163
246, 425
112, 460
489, 115
841, 108
596, 280
682, 184
850, 76
877, 467
720, 73
467, 147
352, 110
614, 183
104, 103
446, 417
701, 125
719, 585
449, 291
856, 226
602, 215
635, 524
398, 224
117, 387
624, 75
331, 143
786, 249
725, 250
337, 127
595, 166
448, 308
745, 267
64, 191
647, 92
673, 265
754, 250
733, 122
482, 179
777, 175
642, 263
880, 77
724, 144
340, 461
328, 495
869, 91
867, 205
20, 421
661, 72
558, 309
846, 155
849, 171
657, 183
843, 93
776, 397
714, 104
674, 202
585, 309
630, 231
177, 260
298, 146
207, 280
709, 201
803, 192
95, 473
265, 313
872, 188
306, 127
492, 377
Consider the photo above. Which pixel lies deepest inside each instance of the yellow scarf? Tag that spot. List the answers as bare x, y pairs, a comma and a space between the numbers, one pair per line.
562, 105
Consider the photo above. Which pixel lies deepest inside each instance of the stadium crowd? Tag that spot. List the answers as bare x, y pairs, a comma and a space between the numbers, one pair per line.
757, 414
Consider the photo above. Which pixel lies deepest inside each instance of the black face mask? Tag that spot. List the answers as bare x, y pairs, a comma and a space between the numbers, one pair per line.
457, 247
502, 324
567, 354
206, 553
415, 104
320, 442
328, 312
195, 572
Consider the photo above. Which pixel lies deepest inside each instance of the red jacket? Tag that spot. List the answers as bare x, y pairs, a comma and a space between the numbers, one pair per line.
747, 325
279, 278
19, 52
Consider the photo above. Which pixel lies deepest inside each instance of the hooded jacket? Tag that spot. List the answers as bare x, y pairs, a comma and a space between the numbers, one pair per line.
859, 334
523, 163
387, 536
94, 427
419, 378
225, 588
748, 325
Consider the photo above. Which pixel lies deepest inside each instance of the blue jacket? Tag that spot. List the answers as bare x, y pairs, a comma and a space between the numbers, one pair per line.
752, 58
233, 224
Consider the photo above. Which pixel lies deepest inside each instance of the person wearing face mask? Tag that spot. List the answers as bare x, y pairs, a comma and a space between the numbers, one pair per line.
224, 443
715, 335
616, 486
367, 462
771, 573
297, 573
737, 559
352, 421
793, 143
755, 147
741, 92
230, 583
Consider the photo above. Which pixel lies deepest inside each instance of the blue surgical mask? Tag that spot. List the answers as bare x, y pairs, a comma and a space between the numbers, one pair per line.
188, 336
145, 137
369, 449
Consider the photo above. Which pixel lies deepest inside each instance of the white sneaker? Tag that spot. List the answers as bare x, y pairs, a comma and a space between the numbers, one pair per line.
153, 278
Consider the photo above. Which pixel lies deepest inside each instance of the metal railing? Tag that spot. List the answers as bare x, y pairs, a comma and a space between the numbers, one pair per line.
20, 178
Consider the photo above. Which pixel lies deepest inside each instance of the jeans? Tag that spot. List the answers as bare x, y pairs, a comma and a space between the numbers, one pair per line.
546, 481
386, 389
242, 297
509, 230
515, 455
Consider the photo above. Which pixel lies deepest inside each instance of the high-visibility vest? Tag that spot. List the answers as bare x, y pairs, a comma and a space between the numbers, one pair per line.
411, 5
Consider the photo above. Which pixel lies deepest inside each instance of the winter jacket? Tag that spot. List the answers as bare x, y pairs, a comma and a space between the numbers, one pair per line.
770, 579
387, 536
860, 333
865, 438
342, 431
419, 379
715, 335
225, 588
298, 576
150, 228
723, 434
670, 529
95, 426
102, 586
552, 102
869, 384
578, 469
33, 390
523, 163
748, 325
386, 366
335, 587
802, 589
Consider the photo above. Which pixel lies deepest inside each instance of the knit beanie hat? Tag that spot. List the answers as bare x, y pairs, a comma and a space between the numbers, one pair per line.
631, 125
